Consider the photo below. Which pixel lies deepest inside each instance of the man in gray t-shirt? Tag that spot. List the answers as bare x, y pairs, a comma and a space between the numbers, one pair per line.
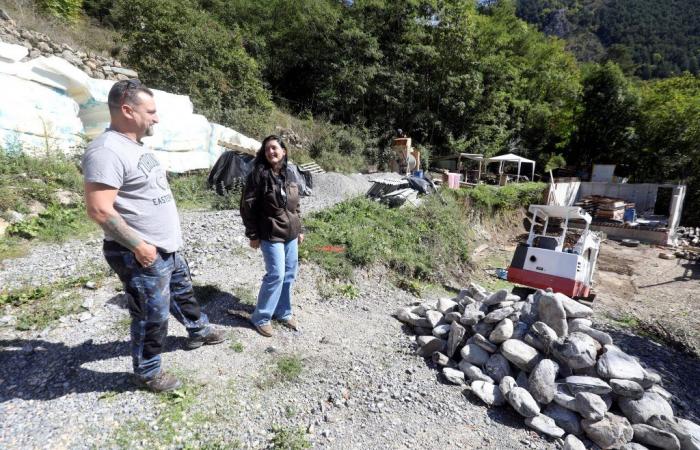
127, 194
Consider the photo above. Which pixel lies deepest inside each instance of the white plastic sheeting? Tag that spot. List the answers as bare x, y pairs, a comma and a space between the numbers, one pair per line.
36, 118
231, 137
47, 103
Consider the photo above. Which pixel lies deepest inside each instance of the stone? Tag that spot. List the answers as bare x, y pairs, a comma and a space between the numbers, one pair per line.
615, 363
497, 367
519, 330
440, 359
521, 380
475, 354
44, 47
498, 315
600, 336
99, 75
442, 331
573, 443
565, 418
572, 308
453, 316
681, 428
520, 354
506, 385
489, 393
639, 411
483, 328
410, 318
455, 339
627, 388
662, 392
453, 376
471, 317
502, 332
633, 446
590, 406
692, 441
4, 225
474, 373
577, 351
528, 313
541, 381
650, 379
544, 425
497, 297
551, 312
35, 208
66, 198
483, 343
541, 336
434, 318
578, 383
575, 323
445, 305
126, 72
646, 434
612, 431
522, 402
430, 346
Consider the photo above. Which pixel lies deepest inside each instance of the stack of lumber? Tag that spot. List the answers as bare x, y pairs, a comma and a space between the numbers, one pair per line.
605, 208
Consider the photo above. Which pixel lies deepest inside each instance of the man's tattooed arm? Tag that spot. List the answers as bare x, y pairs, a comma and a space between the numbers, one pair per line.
115, 226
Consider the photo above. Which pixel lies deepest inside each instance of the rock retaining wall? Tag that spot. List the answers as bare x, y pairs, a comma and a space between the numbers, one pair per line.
542, 356
38, 44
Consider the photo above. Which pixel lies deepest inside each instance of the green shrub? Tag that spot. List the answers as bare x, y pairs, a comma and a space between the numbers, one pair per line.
494, 198
424, 243
65, 9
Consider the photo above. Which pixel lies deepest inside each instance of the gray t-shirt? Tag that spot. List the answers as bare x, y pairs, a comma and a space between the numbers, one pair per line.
144, 200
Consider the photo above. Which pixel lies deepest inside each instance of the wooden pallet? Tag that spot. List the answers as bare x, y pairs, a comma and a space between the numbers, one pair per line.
311, 167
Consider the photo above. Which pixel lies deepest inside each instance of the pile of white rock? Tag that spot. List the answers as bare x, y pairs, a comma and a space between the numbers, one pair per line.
542, 356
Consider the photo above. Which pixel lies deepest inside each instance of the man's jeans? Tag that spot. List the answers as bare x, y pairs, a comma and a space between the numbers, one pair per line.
155, 290
275, 297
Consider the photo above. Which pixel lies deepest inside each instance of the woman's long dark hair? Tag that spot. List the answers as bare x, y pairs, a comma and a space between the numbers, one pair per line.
261, 160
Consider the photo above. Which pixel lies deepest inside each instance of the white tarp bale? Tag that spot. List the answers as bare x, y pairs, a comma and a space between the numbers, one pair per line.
233, 137
37, 118
12, 52
180, 162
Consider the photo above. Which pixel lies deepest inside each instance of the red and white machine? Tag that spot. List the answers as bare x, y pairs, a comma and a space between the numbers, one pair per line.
546, 261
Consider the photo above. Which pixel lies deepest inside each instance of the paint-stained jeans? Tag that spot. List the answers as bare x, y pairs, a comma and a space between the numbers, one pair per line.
275, 296
155, 290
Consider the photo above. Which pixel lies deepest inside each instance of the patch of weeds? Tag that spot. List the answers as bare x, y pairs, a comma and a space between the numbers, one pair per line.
247, 295
625, 320
191, 191
286, 369
55, 224
237, 346
496, 198
123, 325
289, 411
37, 306
108, 396
424, 243
288, 438
412, 286
12, 247
289, 367
173, 407
348, 291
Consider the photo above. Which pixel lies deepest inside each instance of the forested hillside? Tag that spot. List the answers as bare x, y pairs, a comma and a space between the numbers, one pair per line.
649, 38
458, 76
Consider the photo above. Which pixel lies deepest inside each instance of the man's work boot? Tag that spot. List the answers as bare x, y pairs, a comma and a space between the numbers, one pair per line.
214, 337
163, 382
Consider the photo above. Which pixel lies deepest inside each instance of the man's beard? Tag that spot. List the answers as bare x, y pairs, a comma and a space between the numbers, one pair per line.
149, 131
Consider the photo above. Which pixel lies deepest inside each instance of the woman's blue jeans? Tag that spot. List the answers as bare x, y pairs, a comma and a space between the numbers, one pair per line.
275, 296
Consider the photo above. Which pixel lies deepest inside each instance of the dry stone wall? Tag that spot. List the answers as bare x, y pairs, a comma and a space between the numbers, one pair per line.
542, 356
38, 44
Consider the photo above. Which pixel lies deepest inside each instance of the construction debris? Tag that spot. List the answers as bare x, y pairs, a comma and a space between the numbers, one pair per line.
605, 208
541, 355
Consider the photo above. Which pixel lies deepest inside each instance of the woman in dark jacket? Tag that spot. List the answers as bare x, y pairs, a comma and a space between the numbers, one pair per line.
270, 212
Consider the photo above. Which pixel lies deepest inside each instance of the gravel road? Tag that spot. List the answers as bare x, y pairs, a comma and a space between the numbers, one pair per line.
361, 386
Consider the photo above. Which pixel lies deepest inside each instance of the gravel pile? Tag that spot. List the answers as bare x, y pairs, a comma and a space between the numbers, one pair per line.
542, 356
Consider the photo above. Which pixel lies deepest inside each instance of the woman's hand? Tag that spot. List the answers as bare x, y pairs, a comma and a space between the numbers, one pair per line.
254, 243
301, 238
